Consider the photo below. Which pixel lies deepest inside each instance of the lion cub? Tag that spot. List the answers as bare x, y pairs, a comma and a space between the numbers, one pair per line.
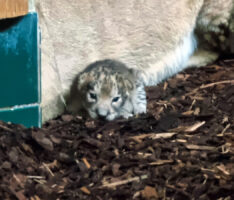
107, 89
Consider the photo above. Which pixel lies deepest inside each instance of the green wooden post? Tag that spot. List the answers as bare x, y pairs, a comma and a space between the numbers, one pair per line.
20, 70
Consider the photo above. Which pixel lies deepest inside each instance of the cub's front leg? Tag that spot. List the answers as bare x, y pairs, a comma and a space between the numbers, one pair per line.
138, 99
136, 102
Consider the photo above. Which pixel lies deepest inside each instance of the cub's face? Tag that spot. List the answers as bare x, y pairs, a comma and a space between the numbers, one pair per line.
105, 99
104, 90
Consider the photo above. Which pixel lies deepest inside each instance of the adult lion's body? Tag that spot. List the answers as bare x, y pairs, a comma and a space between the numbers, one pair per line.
156, 37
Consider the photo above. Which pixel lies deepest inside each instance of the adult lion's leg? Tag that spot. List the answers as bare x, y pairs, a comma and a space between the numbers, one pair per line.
202, 58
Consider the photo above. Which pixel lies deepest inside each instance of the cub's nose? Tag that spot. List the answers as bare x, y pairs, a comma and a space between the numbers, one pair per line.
102, 113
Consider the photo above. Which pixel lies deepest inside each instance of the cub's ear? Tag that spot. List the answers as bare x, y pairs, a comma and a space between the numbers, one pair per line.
84, 80
138, 75
133, 72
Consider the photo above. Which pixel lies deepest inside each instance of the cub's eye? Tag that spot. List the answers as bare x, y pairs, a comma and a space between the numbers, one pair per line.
115, 99
93, 96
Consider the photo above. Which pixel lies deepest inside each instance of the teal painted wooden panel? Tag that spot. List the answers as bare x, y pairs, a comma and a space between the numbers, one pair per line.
27, 115
19, 61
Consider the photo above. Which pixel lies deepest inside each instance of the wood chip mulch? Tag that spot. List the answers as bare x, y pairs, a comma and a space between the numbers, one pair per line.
182, 149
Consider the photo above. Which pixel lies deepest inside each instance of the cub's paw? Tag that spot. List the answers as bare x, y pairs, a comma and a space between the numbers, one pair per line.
140, 108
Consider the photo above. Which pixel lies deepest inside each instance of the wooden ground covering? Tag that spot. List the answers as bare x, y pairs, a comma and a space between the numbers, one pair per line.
182, 149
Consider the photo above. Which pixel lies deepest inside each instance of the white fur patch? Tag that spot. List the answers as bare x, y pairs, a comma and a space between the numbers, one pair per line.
172, 63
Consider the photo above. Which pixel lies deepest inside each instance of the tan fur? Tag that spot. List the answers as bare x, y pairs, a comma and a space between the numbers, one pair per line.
155, 36
214, 26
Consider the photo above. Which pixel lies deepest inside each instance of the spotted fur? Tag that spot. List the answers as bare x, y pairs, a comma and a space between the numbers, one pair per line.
107, 89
